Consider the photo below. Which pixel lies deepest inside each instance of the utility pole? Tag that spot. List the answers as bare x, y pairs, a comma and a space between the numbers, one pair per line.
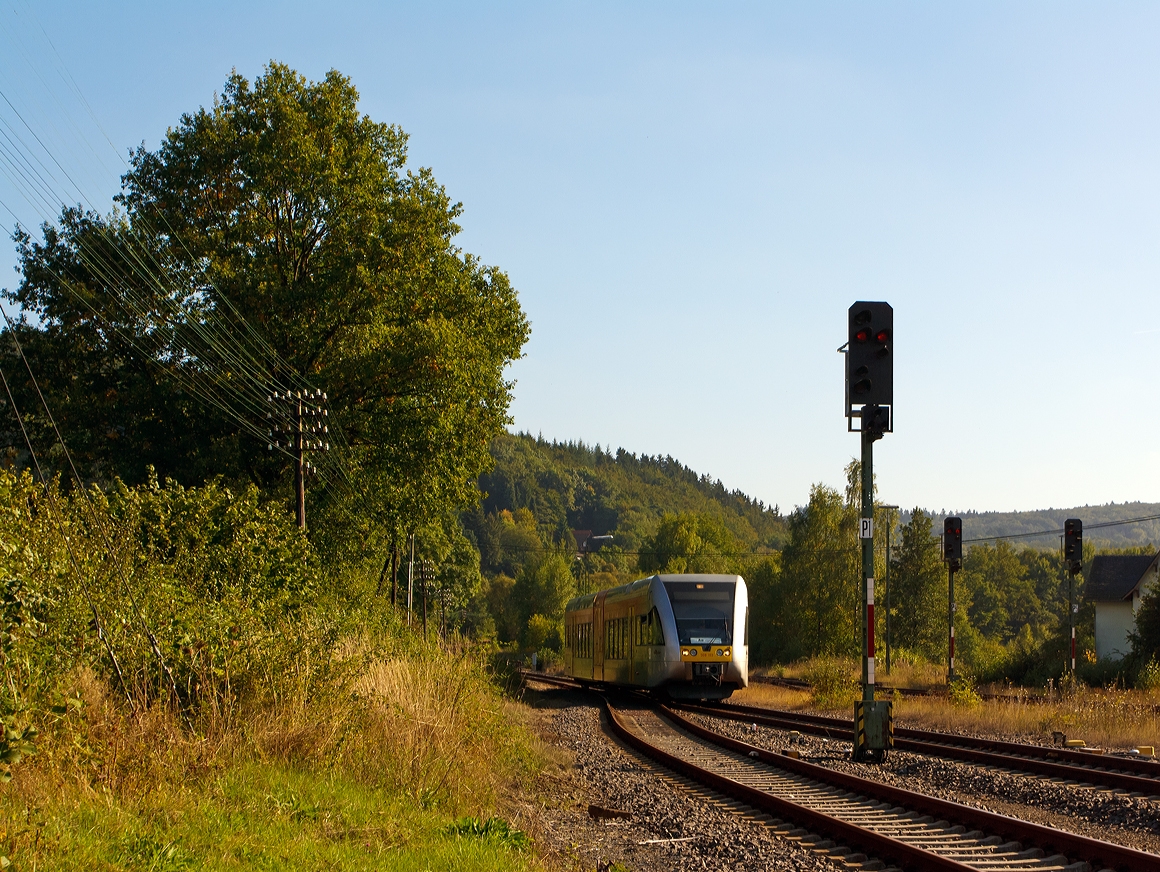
424, 566
889, 526
394, 569
870, 385
443, 609
953, 555
411, 580
298, 425
1073, 557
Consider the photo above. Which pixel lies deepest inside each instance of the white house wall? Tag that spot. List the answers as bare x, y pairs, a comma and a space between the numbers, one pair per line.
1114, 621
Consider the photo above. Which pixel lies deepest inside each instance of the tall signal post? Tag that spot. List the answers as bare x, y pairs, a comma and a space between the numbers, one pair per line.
870, 399
1073, 557
953, 555
298, 425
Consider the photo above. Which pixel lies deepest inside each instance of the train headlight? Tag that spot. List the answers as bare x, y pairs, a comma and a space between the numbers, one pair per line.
692, 652
720, 653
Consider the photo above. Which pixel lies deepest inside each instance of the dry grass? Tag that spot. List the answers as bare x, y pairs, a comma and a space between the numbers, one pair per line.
774, 696
1102, 718
439, 728
423, 737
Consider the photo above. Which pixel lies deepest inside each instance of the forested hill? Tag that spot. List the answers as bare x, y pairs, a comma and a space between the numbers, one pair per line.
574, 486
978, 525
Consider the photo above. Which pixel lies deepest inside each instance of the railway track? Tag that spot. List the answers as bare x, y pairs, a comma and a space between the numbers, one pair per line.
842, 814
845, 815
1137, 776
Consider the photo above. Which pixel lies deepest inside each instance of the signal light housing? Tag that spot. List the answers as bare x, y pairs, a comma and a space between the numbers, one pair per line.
870, 356
953, 540
1073, 544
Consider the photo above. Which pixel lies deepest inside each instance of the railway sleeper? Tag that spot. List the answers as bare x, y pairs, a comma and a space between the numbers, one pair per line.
952, 841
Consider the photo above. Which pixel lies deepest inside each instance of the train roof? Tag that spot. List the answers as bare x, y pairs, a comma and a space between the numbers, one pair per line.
586, 601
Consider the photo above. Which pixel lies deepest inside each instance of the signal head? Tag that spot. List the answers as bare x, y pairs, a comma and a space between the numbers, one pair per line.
953, 539
869, 362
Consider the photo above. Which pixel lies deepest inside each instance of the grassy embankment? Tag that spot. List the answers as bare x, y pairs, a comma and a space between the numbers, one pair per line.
284, 721
371, 784
1113, 719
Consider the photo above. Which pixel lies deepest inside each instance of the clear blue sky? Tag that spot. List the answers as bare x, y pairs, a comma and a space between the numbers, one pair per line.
689, 196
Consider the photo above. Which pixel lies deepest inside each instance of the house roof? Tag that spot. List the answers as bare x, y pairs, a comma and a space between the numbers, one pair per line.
1114, 577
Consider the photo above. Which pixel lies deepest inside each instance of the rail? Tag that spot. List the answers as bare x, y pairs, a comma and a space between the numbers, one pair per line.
909, 828
1123, 773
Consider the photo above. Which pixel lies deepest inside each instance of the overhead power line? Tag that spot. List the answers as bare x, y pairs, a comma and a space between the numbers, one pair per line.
1059, 531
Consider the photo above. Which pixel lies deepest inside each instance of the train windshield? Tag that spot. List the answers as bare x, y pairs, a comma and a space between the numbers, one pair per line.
704, 611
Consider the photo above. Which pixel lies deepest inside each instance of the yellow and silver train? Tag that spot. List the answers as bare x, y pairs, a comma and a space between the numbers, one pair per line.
686, 636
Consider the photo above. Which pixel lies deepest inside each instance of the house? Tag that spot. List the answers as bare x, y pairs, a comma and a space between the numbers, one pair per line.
1114, 585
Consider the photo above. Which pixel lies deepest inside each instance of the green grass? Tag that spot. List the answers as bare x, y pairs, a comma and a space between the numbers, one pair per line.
256, 816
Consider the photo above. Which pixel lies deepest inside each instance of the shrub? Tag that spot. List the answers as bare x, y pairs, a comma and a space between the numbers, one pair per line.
542, 633
963, 693
831, 682
1148, 676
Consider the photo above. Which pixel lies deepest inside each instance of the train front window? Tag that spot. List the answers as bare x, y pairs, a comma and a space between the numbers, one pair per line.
704, 611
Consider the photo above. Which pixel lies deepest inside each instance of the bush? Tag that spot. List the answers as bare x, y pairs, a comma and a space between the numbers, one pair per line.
1148, 675
963, 693
542, 633
175, 627
831, 682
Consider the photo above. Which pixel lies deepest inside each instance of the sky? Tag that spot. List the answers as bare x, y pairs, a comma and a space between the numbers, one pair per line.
689, 197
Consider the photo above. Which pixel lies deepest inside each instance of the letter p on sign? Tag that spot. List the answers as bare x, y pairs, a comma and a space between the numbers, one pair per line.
867, 529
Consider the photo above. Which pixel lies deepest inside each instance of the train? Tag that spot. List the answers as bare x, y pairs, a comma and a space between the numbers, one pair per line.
682, 636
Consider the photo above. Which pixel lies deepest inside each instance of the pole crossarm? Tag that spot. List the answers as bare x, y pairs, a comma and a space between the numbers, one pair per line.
297, 424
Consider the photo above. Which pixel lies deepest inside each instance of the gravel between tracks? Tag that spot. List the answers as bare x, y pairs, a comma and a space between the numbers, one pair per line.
1098, 813
610, 776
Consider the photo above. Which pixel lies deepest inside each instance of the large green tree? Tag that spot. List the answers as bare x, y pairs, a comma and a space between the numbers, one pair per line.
919, 590
275, 236
689, 542
811, 605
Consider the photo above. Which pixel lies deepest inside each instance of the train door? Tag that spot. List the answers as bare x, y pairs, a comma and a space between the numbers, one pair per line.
632, 644
598, 638
570, 644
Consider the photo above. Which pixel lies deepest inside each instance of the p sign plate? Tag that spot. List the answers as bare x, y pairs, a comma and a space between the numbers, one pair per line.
867, 529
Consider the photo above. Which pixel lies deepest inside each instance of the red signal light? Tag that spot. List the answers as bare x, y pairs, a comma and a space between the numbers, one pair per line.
881, 337
862, 335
